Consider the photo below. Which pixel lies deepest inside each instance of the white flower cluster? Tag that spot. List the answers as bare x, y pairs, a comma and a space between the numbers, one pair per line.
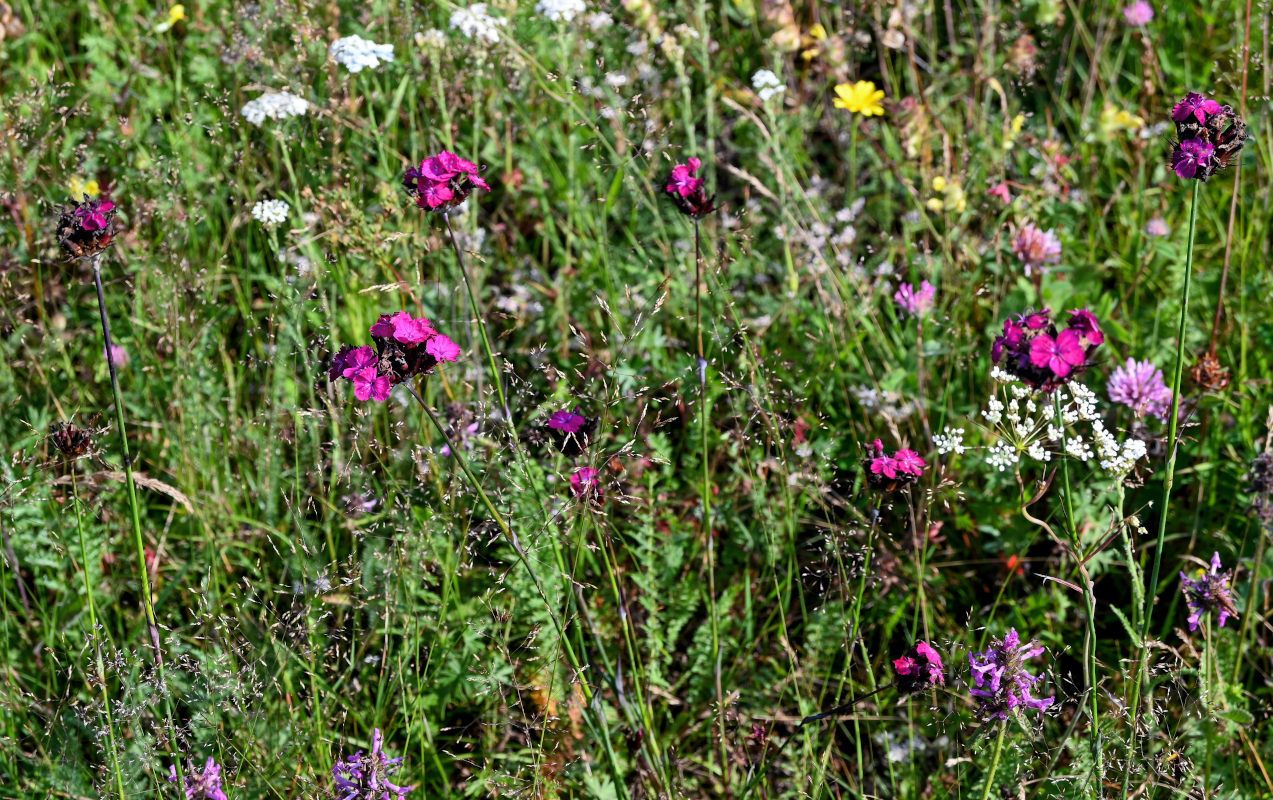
560, 10
270, 212
766, 84
950, 441
1026, 426
431, 39
475, 23
357, 53
275, 105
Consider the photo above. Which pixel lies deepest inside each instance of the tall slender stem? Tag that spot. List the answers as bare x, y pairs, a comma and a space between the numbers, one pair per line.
481, 324
138, 541
994, 760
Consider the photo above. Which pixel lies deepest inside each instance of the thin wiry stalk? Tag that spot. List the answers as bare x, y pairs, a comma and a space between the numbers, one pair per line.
138, 541
994, 760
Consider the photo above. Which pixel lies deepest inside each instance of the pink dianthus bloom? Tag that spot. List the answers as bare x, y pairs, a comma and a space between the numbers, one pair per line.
443, 181
1197, 106
586, 483
1191, 157
683, 181
1061, 355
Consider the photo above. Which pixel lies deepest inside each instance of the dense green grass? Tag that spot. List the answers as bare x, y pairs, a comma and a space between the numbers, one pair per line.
321, 567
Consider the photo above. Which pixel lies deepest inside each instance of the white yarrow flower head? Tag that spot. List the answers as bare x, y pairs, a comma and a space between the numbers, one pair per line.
475, 23
275, 105
270, 213
766, 84
357, 53
432, 38
560, 10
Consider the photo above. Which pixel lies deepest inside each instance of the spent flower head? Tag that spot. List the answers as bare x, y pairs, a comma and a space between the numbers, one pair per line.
84, 228
1208, 591
1000, 680
366, 777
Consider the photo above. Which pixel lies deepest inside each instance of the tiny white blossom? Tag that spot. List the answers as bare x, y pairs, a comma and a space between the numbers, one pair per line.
275, 105
950, 441
1002, 456
599, 21
270, 212
433, 39
475, 23
616, 79
560, 10
357, 53
766, 84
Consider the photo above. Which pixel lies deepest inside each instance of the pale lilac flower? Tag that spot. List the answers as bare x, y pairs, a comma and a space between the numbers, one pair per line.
1139, 385
916, 302
1034, 247
1208, 592
366, 777
205, 785
1138, 13
1157, 227
118, 354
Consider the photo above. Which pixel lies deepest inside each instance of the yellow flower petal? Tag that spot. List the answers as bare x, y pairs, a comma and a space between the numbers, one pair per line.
939, 184
176, 13
818, 32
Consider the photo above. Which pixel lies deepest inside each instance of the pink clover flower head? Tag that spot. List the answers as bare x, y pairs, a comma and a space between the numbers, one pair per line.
201, 785
1192, 157
443, 181
1209, 592
919, 668
1032, 350
916, 302
405, 347
1157, 227
688, 191
1000, 680
1197, 106
366, 777
118, 355
1034, 247
586, 483
84, 227
1138, 13
1139, 385
890, 473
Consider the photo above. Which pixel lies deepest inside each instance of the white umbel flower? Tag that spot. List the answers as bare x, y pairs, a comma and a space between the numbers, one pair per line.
475, 23
270, 213
766, 84
357, 53
560, 10
275, 105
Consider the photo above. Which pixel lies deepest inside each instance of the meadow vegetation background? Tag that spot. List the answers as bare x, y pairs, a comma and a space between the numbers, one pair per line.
322, 568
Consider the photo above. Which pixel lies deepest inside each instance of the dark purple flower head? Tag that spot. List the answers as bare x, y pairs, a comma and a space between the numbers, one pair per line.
586, 484
571, 431
366, 777
1196, 106
84, 228
443, 181
1209, 591
204, 785
405, 347
688, 191
70, 439
1000, 680
1035, 352
889, 473
918, 669
1192, 157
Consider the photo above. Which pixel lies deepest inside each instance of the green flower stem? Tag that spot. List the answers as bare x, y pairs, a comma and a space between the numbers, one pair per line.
138, 541
994, 760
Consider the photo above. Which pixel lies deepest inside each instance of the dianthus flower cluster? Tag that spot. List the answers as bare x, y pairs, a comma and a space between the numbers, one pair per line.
442, 181
366, 777
1000, 680
689, 191
1209, 591
84, 228
890, 473
405, 347
1037, 353
1208, 137
918, 669
571, 431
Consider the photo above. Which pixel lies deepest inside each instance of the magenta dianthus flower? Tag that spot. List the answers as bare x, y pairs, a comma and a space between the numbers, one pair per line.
1191, 157
205, 785
1197, 106
916, 302
918, 669
405, 347
1035, 247
1209, 137
1034, 351
84, 227
689, 191
1139, 385
1000, 680
1207, 592
443, 181
586, 483
1138, 13
889, 473
571, 431
366, 777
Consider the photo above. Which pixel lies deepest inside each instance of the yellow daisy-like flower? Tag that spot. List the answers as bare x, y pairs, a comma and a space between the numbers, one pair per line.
80, 187
818, 32
860, 98
939, 184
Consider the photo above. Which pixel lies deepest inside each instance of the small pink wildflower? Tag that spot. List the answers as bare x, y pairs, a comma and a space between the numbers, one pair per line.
1034, 247
1192, 157
1000, 190
1061, 355
1157, 227
683, 181
586, 483
916, 302
1138, 13
1197, 106
443, 181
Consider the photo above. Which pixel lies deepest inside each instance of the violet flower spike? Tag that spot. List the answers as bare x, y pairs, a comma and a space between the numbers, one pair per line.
1001, 682
1207, 592
360, 777
202, 785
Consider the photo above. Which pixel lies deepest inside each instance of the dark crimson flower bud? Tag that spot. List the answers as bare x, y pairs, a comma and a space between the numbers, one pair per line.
84, 228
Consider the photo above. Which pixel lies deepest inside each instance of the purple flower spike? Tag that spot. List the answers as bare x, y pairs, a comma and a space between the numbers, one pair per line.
1207, 592
1001, 682
204, 785
360, 777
